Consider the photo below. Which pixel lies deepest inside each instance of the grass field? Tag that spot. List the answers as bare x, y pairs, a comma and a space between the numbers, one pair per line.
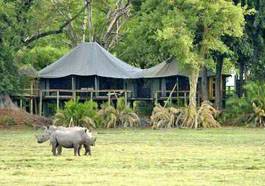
229, 156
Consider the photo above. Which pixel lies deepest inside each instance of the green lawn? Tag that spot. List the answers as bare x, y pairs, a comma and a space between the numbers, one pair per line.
228, 156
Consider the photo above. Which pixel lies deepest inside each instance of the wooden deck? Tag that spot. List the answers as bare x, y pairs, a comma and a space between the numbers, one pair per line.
37, 97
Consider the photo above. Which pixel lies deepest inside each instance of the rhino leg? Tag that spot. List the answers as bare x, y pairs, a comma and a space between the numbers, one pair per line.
59, 150
88, 149
79, 150
76, 147
54, 149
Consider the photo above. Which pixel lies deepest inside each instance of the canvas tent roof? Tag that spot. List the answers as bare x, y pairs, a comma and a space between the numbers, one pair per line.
164, 69
169, 68
89, 59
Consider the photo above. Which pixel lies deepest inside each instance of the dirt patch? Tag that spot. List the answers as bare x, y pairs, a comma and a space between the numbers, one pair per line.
10, 117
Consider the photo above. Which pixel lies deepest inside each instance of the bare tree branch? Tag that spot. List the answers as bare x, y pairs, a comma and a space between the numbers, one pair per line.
114, 18
60, 30
70, 28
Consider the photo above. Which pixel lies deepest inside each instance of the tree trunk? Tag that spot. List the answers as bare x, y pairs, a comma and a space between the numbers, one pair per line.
191, 116
218, 83
6, 102
241, 79
89, 11
85, 23
204, 84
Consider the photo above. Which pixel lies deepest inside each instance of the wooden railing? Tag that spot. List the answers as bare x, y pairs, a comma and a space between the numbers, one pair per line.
182, 96
31, 92
84, 93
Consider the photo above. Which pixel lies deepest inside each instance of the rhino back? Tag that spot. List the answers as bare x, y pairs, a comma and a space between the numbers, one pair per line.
68, 138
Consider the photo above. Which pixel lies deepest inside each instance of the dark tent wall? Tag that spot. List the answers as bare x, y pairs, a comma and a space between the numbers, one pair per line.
83, 82
87, 82
110, 83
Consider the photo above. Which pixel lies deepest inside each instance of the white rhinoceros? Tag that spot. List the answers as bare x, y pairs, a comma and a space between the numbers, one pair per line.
72, 137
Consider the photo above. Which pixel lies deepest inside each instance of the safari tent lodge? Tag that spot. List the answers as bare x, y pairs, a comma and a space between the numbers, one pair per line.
90, 72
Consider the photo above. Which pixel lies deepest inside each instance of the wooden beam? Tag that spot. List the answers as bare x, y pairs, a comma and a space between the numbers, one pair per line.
170, 95
163, 87
96, 85
185, 98
58, 100
91, 96
31, 98
156, 98
109, 100
40, 110
31, 105
21, 103
35, 106
73, 87
126, 98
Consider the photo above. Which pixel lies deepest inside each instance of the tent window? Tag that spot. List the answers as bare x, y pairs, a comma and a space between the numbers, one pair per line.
110, 83
85, 82
143, 88
61, 83
170, 82
183, 83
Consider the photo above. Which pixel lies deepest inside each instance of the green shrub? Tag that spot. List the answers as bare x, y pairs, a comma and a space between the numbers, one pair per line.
143, 108
121, 104
247, 109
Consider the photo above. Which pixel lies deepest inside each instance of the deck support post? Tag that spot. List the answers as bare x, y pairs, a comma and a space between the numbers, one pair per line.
74, 88
156, 98
109, 100
21, 103
31, 97
96, 85
31, 105
35, 103
126, 98
91, 96
74, 95
58, 100
163, 88
40, 110
185, 98
177, 89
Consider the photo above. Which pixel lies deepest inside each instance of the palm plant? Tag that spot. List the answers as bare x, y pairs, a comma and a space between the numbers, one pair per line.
122, 116
259, 116
128, 118
77, 114
108, 116
248, 109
